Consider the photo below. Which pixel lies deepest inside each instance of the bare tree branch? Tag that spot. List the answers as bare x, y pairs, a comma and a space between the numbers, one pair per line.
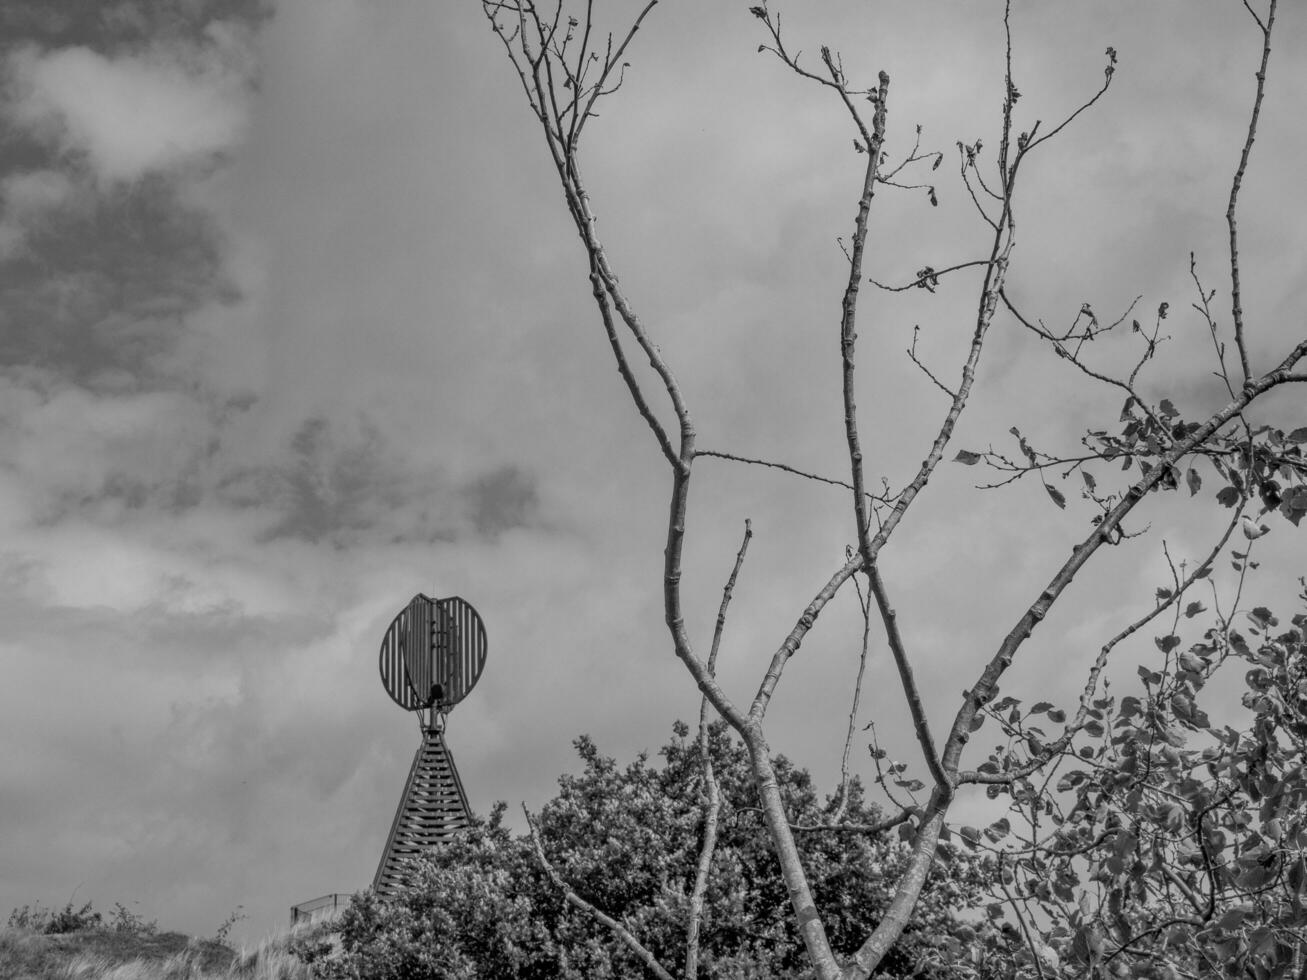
713, 800
1236, 308
911, 693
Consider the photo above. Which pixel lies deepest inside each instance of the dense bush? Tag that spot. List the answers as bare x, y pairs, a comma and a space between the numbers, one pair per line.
627, 840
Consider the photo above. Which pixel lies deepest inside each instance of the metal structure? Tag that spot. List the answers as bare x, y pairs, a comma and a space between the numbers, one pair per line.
431, 656
324, 907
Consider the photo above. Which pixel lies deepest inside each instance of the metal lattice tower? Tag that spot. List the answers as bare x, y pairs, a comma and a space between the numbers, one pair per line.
431, 657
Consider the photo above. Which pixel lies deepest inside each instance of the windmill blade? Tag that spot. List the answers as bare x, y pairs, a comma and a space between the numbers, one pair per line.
406, 661
459, 642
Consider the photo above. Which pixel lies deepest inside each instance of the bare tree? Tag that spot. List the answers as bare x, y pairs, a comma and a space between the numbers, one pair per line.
567, 65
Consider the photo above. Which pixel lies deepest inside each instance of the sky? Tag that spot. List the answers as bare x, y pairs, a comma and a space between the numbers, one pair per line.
293, 326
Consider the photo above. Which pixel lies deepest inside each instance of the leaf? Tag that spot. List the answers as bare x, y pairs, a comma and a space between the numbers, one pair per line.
1228, 496
1168, 409
1298, 435
1193, 481
1167, 643
1070, 781
1263, 617
1040, 708
998, 830
1183, 706
1193, 609
1298, 874
1056, 495
1088, 478
1294, 504
1253, 877
967, 458
1057, 715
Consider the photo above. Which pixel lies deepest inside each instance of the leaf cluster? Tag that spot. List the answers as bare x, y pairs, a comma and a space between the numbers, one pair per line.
1175, 846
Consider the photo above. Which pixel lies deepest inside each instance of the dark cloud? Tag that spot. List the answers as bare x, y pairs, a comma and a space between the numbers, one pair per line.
501, 500
103, 286
346, 485
113, 25
341, 485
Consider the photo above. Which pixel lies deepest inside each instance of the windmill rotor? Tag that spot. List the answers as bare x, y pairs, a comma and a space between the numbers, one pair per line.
433, 653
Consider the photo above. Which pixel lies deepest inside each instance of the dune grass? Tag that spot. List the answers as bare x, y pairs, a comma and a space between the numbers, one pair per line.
102, 954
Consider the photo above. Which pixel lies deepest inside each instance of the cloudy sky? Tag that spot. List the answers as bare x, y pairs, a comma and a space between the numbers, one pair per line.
293, 326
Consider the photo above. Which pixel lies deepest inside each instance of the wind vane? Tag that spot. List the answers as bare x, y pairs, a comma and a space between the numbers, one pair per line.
431, 657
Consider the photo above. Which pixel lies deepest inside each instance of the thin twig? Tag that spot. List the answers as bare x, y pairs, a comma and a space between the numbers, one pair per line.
1021, 920
786, 468
927, 276
912, 355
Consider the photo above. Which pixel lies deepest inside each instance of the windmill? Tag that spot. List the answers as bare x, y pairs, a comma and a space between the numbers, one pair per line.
431, 657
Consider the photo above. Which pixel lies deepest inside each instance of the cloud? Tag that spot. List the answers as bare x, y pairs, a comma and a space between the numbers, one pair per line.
339, 484
77, 450
25, 197
35, 190
500, 500
168, 108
